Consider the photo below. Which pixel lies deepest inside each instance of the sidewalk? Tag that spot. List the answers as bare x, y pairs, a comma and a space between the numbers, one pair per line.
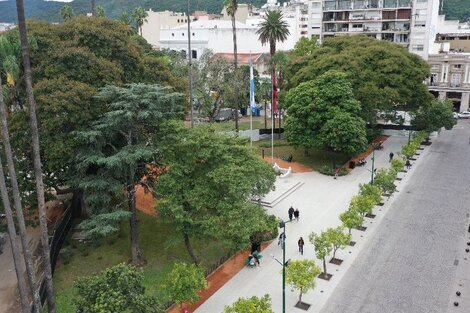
320, 200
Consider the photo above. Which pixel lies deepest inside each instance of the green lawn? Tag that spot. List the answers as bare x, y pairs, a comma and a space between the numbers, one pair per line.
314, 158
155, 236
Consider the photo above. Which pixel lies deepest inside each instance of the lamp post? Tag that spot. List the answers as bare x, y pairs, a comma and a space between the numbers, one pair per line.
373, 169
284, 264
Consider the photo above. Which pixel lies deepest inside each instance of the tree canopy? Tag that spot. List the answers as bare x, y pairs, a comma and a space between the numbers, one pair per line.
209, 185
301, 275
434, 115
323, 113
384, 76
251, 305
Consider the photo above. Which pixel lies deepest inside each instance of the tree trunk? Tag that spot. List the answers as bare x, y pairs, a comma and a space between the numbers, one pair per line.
137, 258
300, 296
18, 205
36, 156
23, 290
324, 266
93, 8
349, 230
334, 253
235, 63
265, 115
190, 249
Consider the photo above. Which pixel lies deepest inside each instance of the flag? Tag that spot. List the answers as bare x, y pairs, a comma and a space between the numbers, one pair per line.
252, 89
275, 92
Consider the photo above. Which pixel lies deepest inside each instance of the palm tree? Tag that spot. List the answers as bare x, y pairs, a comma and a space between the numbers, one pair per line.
10, 53
140, 17
24, 295
28, 78
67, 12
273, 29
99, 12
231, 6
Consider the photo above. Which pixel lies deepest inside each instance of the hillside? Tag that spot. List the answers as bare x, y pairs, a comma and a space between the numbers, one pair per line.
457, 10
50, 11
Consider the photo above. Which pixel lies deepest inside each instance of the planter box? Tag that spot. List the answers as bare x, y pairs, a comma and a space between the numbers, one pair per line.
352, 243
302, 305
326, 276
336, 261
361, 228
370, 215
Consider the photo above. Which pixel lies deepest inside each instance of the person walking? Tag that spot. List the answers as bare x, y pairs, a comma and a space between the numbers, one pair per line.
301, 245
336, 172
408, 164
291, 213
296, 214
391, 156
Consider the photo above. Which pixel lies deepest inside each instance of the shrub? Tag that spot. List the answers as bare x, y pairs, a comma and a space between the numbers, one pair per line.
66, 255
385, 180
372, 191
330, 171
398, 165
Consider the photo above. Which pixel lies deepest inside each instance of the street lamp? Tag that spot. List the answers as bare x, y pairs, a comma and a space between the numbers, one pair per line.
373, 170
284, 264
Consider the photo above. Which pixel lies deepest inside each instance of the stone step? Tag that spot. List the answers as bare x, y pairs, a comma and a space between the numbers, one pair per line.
272, 201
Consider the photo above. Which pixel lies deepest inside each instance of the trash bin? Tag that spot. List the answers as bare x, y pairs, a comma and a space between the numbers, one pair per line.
352, 164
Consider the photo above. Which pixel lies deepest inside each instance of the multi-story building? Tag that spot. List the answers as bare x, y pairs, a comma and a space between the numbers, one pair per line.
406, 22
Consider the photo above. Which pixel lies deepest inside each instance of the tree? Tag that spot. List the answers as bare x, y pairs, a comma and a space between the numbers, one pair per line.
264, 94
305, 47
251, 305
351, 219
100, 11
28, 256
317, 110
372, 191
272, 29
93, 7
434, 115
184, 282
140, 17
397, 166
125, 18
385, 77
10, 59
207, 189
116, 289
337, 238
67, 12
385, 180
301, 274
28, 78
116, 150
232, 6
322, 247
362, 203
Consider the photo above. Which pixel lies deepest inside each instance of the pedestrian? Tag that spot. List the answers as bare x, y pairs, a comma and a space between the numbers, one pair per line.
296, 214
391, 156
336, 172
291, 213
282, 238
408, 164
301, 245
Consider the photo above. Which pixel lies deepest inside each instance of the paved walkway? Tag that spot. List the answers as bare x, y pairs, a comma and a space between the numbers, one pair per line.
320, 201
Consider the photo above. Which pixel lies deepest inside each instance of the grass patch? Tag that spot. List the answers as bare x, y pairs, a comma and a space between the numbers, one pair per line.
154, 236
243, 125
314, 158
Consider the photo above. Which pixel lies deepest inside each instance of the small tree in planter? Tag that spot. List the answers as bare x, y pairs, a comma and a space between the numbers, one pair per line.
253, 304
408, 151
363, 204
398, 165
385, 180
351, 219
372, 191
323, 248
338, 240
301, 274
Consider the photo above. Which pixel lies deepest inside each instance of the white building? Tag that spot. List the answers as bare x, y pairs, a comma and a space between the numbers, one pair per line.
158, 20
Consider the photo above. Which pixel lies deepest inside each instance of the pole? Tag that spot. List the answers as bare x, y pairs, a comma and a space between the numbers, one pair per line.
272, 118
251, 104
372, 172
409, 135
284, 271
190, 70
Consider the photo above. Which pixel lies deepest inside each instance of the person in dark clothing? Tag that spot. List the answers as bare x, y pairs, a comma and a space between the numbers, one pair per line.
391, 156
291, 213
301, 245
408, 164
296, 214
282, 238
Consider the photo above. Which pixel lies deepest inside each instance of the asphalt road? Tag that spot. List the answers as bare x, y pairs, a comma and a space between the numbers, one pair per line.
416, 260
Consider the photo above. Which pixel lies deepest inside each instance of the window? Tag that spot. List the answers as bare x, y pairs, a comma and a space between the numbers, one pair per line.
182, 34
422, 1
420, 24
193, 34
194, 54
357, 26
417, 47
457, 66
421, 12
172, 34
315, 5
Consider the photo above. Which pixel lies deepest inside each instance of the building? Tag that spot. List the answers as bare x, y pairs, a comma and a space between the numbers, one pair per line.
260, 60
452, 36
411, 23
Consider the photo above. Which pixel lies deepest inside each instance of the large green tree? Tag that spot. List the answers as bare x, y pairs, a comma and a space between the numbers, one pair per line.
434, 115
323, 247
323, 113
119, 146
251, 305
140, 16
385, 77
209, 185
272, 29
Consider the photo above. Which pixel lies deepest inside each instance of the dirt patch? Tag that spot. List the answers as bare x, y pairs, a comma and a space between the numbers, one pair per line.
215, 281
296, 167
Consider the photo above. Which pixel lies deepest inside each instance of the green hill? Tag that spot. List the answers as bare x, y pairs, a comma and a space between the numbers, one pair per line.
49, 10
457, 9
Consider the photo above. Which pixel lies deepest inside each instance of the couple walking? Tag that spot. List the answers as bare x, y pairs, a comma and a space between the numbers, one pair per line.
293, 214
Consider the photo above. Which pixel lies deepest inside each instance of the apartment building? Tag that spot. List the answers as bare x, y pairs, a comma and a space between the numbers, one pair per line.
411, 23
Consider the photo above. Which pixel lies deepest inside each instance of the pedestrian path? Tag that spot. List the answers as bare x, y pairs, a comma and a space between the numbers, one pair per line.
320, 200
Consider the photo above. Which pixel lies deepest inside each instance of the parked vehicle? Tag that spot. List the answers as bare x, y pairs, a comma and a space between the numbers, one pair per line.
464, 114
456, 115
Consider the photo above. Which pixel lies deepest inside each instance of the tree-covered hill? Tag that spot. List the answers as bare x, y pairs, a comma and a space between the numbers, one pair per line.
457, 9
50, 10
